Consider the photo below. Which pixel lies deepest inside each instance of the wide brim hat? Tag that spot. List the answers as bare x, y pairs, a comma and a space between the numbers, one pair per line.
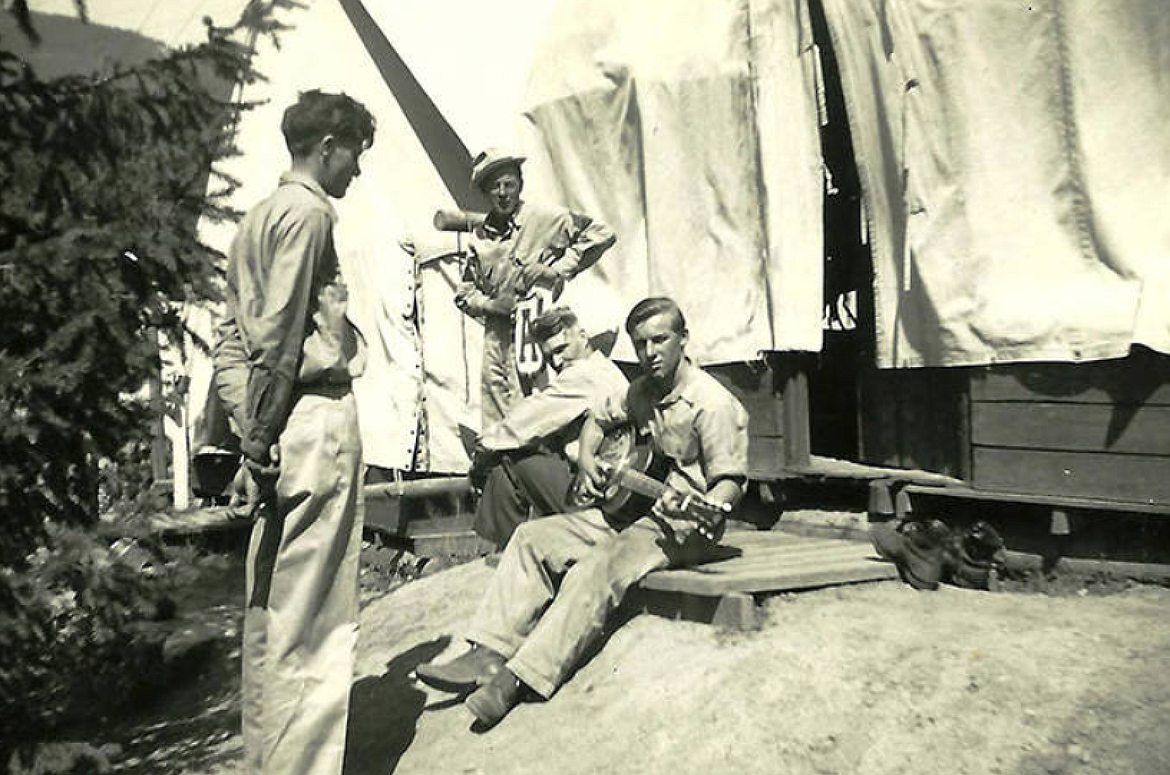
491, 159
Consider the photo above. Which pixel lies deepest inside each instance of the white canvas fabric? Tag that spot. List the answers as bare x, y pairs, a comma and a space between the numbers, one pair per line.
321, 49
688, 126
1016, 169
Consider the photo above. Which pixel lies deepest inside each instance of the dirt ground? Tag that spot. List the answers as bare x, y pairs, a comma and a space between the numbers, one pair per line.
860, 680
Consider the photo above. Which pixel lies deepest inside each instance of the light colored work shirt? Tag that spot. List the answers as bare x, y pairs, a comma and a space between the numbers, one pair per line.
556, 411
698, 425
568, 242
282, 271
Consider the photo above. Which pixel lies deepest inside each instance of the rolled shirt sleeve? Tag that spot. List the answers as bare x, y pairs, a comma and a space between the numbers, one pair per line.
230, 380
612, 411
587, 239
722, 428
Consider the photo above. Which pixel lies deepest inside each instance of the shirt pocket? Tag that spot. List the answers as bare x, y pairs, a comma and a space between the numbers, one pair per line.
677, 436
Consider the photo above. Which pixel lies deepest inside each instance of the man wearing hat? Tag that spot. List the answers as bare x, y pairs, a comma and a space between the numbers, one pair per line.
521, 249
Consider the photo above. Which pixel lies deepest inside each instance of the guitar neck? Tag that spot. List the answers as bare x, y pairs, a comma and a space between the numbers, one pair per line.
638, 482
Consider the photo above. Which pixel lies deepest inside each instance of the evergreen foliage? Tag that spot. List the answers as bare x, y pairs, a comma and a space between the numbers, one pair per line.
104, 179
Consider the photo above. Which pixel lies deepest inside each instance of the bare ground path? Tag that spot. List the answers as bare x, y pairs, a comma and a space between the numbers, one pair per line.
863, 680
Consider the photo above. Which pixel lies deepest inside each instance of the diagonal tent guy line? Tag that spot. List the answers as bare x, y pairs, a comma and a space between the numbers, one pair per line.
442, 144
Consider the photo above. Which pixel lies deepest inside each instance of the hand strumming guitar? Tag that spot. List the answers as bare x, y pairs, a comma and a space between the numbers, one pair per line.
591, 480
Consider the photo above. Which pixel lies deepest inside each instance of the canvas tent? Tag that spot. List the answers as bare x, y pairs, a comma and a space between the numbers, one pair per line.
1015, 171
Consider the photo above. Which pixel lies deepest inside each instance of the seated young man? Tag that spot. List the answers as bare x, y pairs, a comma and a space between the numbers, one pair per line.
531, 630
524, 459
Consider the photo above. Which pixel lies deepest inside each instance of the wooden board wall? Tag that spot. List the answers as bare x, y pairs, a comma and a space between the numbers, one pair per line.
915, 418
1095, 430
757, 387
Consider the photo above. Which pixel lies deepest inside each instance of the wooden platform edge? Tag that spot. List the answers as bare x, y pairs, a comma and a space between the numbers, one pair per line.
736, 611
1063, 501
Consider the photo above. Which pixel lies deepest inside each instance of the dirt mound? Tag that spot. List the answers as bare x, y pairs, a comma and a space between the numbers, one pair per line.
861, 680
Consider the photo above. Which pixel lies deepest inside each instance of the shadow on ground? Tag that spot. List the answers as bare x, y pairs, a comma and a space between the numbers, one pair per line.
384, 712
194, 726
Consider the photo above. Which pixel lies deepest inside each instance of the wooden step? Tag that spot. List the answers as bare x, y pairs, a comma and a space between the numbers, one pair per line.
725, 592
777, 562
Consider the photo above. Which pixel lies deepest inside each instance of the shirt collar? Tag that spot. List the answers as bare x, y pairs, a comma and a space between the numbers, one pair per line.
293, 177
686, 371
514, 222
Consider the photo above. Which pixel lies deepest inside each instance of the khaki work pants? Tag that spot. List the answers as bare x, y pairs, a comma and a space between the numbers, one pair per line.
543, 630
300, 626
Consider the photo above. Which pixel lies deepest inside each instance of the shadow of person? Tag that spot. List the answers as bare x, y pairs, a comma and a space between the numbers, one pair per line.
384, 711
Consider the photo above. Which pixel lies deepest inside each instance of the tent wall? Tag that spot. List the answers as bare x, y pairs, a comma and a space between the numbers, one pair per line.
690, 127
1017, 174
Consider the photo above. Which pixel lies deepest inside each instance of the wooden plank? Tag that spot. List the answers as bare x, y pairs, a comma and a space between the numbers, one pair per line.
1128, 428
845, 572
744, 378
772, 561
913, 418
797, 427
825, 547
820, 467
189, 523
754, 385
775, 564
765, 457
1142, 378
758, 538
764, 414
999, 496
1156, 573
1115, 477
735, 610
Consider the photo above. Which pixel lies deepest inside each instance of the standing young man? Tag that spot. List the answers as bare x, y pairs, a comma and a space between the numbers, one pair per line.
530, 630
520, 246
284, 362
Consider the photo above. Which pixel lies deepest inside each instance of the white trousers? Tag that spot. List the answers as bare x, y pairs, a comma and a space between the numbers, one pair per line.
300, 626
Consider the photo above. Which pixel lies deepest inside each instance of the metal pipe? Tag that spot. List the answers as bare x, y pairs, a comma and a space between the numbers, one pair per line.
419, 488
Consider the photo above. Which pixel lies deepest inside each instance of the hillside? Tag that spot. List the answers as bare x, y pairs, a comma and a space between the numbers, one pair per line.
862, 680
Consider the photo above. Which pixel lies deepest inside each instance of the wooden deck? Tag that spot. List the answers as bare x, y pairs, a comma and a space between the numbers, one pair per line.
725, 591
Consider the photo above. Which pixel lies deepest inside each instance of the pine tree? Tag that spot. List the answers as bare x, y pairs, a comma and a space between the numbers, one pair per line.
104, 178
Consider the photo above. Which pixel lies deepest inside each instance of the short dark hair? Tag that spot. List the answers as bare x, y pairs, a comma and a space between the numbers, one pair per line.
317, 113
656, 305
551, 322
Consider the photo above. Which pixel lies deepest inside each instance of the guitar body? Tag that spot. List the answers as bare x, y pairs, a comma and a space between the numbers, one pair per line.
622, 448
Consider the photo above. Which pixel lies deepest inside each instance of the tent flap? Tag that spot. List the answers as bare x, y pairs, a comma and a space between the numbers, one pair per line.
1016, 170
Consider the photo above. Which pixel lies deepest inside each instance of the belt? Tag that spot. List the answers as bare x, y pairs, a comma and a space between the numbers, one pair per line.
326, 389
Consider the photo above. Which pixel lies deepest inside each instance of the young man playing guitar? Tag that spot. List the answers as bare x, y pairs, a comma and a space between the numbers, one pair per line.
530, 631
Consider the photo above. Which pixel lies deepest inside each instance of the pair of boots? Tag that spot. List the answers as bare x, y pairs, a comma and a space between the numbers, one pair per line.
480, 673
927, 552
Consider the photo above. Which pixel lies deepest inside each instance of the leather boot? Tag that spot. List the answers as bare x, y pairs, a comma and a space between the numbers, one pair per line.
491, 702
468, 671
976, 553
924, 548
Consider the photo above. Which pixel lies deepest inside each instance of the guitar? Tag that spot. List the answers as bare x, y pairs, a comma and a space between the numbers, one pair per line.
633, 483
